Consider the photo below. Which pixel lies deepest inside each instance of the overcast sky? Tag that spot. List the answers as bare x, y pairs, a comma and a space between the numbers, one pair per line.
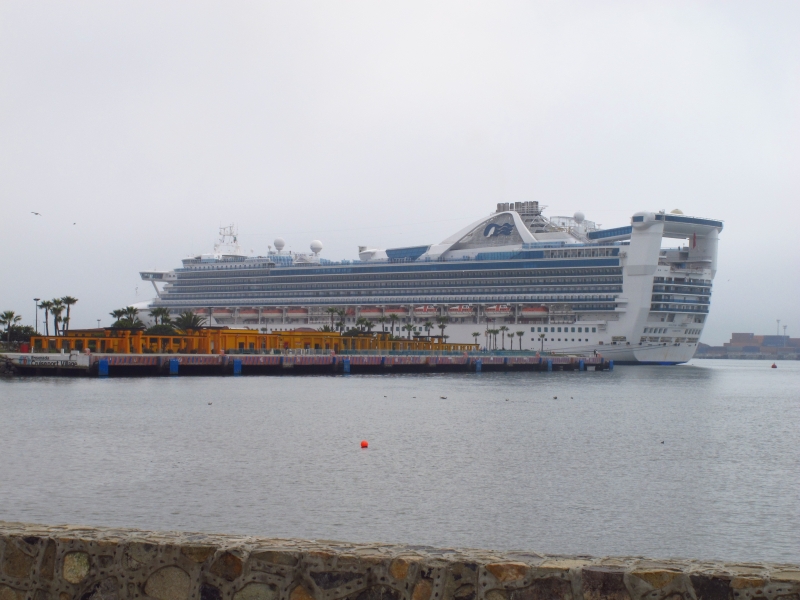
136, 129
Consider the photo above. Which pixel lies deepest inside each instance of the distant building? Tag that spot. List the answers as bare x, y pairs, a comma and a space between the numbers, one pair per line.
750, 345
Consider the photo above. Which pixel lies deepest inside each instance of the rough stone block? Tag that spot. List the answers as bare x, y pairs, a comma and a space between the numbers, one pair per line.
169, 583
76, 566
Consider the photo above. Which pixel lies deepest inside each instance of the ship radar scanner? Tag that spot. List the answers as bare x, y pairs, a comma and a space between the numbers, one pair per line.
279, 244
316, 247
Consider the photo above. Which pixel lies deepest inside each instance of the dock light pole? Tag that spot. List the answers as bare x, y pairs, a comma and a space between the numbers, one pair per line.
778, 329
98, 323
36, 310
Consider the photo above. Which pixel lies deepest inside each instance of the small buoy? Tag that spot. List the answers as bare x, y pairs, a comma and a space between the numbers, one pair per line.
662, 442
364, 444
209, 403
555, 397
774, 366
443, 397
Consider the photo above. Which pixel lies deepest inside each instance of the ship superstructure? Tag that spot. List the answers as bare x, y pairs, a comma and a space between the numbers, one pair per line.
558, 284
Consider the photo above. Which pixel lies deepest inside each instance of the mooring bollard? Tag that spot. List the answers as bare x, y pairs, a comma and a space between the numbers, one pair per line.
611, 365
549, 365
237, 366
173, 366
478, 365
102, 367
581, 365
346, 365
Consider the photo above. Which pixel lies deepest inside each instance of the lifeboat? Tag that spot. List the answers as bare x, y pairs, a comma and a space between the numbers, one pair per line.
271, 313
221, 312
534, 312
425, 312
297, 313
248, 311
457, 312
395, 310
497, 311
371, 312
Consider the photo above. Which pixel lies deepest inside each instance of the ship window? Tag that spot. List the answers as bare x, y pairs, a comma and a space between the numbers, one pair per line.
559, 331
594, 329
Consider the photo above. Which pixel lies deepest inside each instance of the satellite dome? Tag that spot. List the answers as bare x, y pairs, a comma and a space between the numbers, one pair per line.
676, 211
579, 217
279, 244
316, 246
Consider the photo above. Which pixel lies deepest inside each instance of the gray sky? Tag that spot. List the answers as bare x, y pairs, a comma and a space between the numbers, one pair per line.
149, 124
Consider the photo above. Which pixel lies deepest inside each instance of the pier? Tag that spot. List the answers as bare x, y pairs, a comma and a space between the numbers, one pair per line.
154, 365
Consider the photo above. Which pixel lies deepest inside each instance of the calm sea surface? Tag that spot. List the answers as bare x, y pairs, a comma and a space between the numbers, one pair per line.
701, 460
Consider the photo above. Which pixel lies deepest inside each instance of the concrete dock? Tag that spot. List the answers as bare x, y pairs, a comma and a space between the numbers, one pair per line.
153, 365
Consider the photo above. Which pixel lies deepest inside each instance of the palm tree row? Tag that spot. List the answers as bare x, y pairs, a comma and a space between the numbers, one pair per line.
56, 308
491, 337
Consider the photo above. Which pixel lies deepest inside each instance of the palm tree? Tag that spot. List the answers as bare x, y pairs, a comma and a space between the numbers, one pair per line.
46, 305
342, 318
393, 317
494, 333
9, 318
382, 320
189, 320
68, 302
131, 313
541, 337
409, 327
368, 325
324, 328
475, 336
503, 330
362, 323
160, 313
332, 310
519, 335
56, 310
442, 323
427, 325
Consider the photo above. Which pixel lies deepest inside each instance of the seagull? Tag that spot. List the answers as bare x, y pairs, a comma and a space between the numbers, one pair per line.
37, 214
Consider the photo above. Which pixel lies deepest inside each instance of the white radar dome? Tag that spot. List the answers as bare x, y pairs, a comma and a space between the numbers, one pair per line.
316, 246
579, 217
279, 244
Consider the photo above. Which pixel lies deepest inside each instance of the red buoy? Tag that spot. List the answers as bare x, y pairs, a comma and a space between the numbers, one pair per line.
364, 444
774, 366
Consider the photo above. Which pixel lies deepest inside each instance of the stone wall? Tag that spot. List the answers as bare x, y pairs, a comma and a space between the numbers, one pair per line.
83, 563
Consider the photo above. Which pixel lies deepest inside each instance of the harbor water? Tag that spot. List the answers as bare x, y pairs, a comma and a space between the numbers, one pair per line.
700, 460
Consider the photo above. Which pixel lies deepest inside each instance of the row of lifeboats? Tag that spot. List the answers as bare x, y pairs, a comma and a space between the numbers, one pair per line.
426, 311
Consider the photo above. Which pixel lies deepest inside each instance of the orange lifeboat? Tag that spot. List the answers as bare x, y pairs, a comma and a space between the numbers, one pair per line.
221, 312
534, 312
497, 311
396, 310
248, 311
297, 313
271, 313
426, 311
371, 312
457, 312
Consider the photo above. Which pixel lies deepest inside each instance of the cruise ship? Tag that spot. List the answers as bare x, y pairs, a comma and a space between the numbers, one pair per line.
516, 279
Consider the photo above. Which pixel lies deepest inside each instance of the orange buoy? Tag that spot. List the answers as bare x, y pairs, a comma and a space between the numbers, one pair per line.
364, 444
774, 366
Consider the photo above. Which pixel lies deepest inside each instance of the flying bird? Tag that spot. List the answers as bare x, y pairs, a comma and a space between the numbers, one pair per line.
37, 214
